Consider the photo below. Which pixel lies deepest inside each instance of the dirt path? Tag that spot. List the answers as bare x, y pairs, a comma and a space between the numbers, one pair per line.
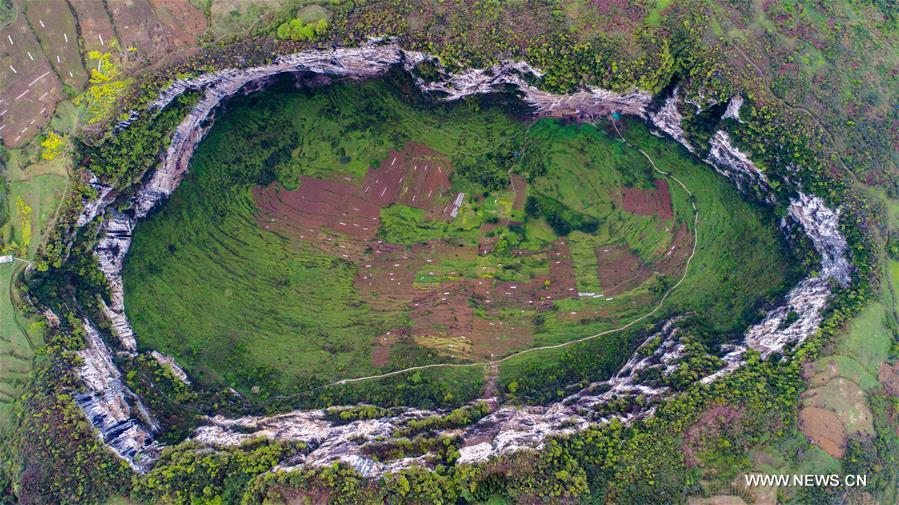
802, 109
15, 301
494, 363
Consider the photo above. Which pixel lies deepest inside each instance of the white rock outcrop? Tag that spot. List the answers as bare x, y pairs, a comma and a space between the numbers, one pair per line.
507, 428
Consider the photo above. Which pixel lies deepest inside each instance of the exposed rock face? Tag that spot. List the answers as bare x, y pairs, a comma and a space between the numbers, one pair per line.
801, 315
94, 207
168, 361
822, 225
736, 166
668, 119
508, 428
733, 109
123, 422
110, 252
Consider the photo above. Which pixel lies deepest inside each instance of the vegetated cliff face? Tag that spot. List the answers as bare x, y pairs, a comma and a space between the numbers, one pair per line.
507, 428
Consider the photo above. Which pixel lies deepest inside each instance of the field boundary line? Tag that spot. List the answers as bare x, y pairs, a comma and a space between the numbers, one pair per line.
570, 342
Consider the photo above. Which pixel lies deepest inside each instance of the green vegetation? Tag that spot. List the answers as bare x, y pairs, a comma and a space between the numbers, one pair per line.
820, 83
296, 29
20, 336
241, 283
52, 454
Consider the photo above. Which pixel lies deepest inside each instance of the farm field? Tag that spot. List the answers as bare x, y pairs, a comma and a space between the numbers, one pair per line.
347, 231
18, 339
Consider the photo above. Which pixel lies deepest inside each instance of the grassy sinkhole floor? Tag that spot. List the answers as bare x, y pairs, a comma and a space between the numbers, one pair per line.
350, 230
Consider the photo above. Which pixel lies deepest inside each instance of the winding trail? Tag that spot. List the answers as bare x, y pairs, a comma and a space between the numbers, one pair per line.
792, 107
570, 342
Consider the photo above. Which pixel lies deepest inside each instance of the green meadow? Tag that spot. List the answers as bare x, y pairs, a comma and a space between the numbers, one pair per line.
242, 306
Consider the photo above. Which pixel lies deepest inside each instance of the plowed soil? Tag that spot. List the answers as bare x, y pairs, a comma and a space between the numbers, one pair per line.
648, 202
342, 216
621, 270
824, 429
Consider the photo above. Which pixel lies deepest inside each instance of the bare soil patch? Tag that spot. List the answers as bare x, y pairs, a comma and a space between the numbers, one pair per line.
138, 25
889, 376
824, 429
417, 176
519, 186
53, 23
184, 20
621, 270
29, 88
648, 202
96, 28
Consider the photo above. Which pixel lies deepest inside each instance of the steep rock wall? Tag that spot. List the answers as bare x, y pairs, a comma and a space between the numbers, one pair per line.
507, 428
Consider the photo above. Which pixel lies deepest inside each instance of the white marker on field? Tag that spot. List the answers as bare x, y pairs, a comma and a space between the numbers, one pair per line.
10, 40
42, 96
13, 69
42, 23
57, 59
66, 37
101, 40
43, 110
2, 127
38, 79
23, 94
29, 55
70, 75
4, 112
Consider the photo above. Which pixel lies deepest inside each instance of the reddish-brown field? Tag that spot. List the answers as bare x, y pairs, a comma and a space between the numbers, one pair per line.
648, 202
416, 176
96, 28
29, 88
461, 315
137, 25
53, 23
824, 429
621, 270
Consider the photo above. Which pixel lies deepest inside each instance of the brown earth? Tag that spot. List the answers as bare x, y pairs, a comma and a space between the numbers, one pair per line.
29, 88
381, 345
96, 27
184, 20
53, 23
648, 202
824, 429
519, 186
621, 270
137, 25
462, 317
417, 176
889, 376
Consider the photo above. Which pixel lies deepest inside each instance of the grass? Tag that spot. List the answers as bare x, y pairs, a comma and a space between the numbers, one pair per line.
868, 339
654, 15
41, 185
19, 337
241, 312
740, 260
239, 305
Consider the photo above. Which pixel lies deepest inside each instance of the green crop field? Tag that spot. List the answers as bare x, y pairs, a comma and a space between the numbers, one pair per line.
248, 278
18, 339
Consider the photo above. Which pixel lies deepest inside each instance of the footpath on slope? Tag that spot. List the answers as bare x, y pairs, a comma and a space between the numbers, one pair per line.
494, 363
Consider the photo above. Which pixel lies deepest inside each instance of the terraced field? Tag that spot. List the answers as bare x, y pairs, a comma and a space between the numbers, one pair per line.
16, 346
351, 230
